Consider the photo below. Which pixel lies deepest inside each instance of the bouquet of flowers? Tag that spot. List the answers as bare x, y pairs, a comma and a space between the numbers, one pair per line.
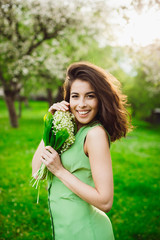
59, 133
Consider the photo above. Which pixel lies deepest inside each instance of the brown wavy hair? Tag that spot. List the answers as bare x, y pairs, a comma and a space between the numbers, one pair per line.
112, 112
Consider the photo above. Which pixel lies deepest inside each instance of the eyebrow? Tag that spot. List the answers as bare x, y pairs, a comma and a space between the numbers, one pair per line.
86, 92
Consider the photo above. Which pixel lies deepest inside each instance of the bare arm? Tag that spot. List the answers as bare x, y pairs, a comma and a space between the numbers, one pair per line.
98, 151
36, 161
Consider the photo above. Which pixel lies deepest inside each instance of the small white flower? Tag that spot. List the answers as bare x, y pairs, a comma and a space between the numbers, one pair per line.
64, 120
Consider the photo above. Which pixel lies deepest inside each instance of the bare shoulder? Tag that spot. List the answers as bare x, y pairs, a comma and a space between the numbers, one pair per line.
97, 132
97, 143
97, 135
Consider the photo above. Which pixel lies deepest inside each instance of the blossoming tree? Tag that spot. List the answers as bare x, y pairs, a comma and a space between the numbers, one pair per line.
30, 35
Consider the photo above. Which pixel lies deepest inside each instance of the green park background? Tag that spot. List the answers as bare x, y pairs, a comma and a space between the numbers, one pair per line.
135, 211
36, 48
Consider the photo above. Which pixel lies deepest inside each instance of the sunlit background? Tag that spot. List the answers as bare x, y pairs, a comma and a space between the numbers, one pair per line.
138, 26
38, 41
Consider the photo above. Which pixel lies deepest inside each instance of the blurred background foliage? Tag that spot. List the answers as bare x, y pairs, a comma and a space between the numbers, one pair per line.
38, 41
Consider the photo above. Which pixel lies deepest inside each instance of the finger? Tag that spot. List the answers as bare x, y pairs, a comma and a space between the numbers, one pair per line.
53, 153
54, 107
61, 106
65, 102
46, 157
50, 149
44, 161
46, 154
57, 108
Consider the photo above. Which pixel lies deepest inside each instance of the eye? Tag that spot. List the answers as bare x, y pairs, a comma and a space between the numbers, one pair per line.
91, 96
74, 96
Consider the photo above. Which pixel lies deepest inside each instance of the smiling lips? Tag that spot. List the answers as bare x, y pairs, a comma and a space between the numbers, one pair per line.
83, 113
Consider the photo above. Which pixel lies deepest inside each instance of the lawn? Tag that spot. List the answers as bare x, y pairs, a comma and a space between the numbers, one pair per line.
135, 210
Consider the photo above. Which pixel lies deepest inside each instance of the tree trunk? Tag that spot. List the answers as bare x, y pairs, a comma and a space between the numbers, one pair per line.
19, 107
26, 102
9, 98
59, 96
49, 97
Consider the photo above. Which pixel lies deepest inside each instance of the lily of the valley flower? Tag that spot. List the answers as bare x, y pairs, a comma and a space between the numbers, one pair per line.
59, 133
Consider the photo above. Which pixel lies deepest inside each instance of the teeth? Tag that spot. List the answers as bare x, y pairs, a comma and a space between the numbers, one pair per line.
83, 113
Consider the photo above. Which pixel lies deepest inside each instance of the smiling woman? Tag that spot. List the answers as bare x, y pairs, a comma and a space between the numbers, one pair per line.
81, 190
83, 102
112, 112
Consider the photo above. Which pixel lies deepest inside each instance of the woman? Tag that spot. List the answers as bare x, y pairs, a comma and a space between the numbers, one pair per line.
82, 188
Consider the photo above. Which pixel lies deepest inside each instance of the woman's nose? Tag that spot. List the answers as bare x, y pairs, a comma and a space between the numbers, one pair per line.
82, 103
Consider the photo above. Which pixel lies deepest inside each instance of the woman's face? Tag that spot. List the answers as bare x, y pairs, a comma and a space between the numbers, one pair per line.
83, 102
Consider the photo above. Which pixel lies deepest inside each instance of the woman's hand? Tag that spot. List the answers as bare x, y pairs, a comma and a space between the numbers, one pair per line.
59, 106
52, 160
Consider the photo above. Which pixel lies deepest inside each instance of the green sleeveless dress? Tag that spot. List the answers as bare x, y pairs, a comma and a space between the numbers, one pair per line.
72, 218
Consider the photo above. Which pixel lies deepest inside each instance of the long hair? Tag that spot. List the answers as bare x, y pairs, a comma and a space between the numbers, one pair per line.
112, 112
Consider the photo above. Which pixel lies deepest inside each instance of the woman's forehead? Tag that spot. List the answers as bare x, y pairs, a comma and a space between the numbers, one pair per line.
80, 86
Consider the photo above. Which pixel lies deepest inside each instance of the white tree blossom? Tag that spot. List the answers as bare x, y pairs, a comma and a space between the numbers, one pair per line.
32, 34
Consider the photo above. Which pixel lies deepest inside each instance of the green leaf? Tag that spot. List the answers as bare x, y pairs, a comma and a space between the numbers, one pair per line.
52, 139
48, 119
61, 137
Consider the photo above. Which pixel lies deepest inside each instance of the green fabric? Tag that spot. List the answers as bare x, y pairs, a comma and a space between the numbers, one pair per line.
73, 218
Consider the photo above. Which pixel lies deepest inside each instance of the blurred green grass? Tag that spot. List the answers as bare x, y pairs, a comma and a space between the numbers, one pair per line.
135, 210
